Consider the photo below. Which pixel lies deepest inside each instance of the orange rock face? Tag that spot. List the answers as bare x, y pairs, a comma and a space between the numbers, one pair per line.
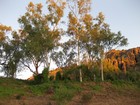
125, 59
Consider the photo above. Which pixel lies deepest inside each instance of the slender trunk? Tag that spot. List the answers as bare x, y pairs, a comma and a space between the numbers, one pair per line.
102, 70
36, 69
80, 71
49, 64
80, 75
46, 63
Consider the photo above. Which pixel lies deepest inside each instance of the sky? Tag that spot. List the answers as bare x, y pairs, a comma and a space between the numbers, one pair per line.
121, 15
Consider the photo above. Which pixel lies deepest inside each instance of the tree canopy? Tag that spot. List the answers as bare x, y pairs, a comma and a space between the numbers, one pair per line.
39, 35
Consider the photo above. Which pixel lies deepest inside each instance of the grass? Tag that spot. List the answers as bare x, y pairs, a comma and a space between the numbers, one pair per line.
96, 88
10, 87
65, 91
125, 85
39, 89
62, 91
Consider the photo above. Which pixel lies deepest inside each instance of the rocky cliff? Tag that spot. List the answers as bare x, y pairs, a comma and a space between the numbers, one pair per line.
125, 59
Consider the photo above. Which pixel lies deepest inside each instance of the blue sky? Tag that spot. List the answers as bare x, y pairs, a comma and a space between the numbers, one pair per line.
121, 15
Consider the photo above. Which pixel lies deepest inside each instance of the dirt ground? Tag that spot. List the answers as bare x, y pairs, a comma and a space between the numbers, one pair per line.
106, 96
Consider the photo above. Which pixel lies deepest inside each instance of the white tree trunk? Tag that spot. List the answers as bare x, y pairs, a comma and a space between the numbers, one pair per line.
78, 62
102, 70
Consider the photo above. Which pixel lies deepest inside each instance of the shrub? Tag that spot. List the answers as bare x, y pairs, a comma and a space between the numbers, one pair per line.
58, 76
133, 76
38, 79
51, 78
45, 74
71, 73
90, 74
110, 75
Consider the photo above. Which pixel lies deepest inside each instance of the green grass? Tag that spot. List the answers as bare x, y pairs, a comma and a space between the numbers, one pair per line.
125, 86
96, 88
10, 87
63, 91
39, 89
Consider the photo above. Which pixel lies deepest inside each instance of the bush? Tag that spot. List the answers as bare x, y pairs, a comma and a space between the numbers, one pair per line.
38, 79
86, 73
58, 76
133, 76
71, 73
110, 75
91, 74
51, 78
45, 74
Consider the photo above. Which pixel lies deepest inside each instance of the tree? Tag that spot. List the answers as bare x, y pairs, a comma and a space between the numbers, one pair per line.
39, 33
3, 30
11, 58
101, 39
10, 54
76, 29
3, 41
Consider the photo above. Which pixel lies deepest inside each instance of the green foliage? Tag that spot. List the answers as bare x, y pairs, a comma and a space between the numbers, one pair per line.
58, 76
133, 76
71, 73
51, 78
40, 34
10, 54
38, 79
89, 74
45, 74
110, 75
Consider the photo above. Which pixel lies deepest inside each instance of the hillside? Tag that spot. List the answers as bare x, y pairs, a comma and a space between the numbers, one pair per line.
124, 60
18, 92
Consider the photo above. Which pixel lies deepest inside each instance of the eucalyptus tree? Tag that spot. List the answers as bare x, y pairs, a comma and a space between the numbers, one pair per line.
39, 33
13, 55
10, 53
101, 39
3, 40
76, 29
